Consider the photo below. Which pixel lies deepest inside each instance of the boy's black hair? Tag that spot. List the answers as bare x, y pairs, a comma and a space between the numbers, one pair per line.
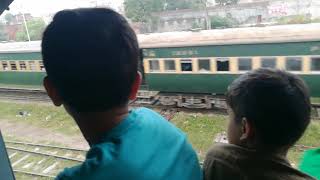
276, 102
91, 56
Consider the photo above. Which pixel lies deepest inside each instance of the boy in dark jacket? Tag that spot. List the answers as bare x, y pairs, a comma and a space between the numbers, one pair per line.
269, 111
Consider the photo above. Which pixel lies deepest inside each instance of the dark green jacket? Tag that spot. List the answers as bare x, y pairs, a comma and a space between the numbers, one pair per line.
231, 162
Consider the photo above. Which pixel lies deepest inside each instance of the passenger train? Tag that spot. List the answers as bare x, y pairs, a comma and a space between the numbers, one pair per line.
194, 69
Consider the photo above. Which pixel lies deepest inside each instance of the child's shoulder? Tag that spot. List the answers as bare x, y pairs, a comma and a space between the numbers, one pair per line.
146, 113
224, 149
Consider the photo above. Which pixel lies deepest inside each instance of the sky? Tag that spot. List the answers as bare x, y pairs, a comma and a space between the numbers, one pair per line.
45, 7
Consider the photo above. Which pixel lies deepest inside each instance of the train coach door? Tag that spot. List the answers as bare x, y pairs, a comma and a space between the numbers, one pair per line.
141, 69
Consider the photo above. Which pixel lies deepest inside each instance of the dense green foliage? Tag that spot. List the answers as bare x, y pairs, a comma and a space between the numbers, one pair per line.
3, 34
226, 2
35, 27
9, 18
295, 19
141, 10
222, 22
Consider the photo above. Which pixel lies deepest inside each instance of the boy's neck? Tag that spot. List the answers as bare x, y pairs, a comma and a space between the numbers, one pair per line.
94, 125
267, 150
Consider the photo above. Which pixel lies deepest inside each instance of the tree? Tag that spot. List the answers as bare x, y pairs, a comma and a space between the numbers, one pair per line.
9, 18
222, 22
141, 10
3, 34
35, 27
226, 2
182, 4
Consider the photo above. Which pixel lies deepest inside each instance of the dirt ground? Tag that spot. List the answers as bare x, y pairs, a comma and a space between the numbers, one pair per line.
37, 134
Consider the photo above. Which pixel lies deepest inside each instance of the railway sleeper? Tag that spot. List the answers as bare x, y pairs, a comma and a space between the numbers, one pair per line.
146, 97
192, 101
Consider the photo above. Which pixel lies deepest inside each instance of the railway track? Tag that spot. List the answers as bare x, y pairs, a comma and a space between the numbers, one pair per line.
39, 95
20, 94
38, 161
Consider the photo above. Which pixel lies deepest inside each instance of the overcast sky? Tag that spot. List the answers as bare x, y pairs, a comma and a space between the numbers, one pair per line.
43, 7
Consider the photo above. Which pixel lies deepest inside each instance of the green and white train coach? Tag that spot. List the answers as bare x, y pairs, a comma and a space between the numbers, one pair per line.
192, 69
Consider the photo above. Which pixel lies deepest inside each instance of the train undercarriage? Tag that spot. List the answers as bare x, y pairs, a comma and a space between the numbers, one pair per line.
181, 100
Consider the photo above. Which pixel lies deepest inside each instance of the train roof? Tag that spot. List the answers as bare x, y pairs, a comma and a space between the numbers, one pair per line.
17, 47
249, 35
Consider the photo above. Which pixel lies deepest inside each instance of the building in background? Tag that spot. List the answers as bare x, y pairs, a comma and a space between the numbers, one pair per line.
246, 13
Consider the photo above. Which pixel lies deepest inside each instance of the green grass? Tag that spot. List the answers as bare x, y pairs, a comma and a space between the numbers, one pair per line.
41, 115
201, 129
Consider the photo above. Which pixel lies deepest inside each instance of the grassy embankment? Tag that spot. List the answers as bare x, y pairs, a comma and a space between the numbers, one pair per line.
201, 129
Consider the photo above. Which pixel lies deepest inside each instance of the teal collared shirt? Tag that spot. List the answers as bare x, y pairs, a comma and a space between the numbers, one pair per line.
144, 146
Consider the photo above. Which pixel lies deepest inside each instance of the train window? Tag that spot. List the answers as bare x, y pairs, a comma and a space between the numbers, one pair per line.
315, 64
5, 65
32, 66
22, 65
169, 65
186, 65
244, 64
41, 66
268, 62
13, 65
204, 65
222, 64
293, 63
154, 65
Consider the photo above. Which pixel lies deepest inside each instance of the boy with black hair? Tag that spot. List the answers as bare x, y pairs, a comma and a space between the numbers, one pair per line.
91, 58
269, 111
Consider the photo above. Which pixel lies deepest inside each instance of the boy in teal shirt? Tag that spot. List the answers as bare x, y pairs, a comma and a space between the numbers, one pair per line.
91, 58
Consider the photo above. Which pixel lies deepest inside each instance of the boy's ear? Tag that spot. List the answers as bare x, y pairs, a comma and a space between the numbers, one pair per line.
246, 129
52, 92
135, 86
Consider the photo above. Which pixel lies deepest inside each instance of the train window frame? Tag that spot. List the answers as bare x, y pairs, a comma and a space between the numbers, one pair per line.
209, 65
218, 59
32, 66
186, 61
22, 65
169, 61
150, 65
41, 66
290, 58
268, 58
245, 58
13, 65
312, 70
7, 68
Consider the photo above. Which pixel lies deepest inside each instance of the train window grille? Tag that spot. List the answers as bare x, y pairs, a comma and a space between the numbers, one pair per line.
169, 65
315, 64
186, 65
204, 65
5, 65
13, 65
154, 65
22, 65
268, 62
41, 66
223, 64
244, 64
294, 63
